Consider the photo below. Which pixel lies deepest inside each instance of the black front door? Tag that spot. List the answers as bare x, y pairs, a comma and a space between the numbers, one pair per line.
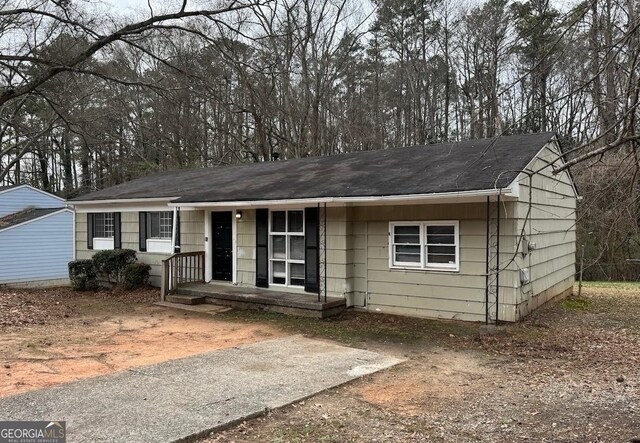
222, 245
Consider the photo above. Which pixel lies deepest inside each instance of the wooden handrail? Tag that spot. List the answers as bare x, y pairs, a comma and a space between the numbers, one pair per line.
179, 268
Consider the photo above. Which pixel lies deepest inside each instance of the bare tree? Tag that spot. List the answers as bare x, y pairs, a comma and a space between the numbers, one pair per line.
27, 29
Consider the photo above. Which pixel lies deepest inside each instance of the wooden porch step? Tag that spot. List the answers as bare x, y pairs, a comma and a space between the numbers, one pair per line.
186, 299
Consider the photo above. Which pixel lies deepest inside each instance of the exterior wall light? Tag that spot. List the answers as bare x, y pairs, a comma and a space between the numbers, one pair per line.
239, 215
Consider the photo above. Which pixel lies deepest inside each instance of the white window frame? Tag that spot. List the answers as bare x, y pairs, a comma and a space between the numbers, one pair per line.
159, 246
287, 261
392, 255
424, 265
104, 243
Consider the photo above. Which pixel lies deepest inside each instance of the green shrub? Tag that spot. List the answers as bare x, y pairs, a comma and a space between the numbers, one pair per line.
112, 262
82, 274
135, 275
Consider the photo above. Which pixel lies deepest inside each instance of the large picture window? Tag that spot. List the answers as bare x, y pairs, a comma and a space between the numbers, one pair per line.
286, 234
424, 245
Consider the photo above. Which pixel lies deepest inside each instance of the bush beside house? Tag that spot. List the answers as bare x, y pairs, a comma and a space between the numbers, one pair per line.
82, 274
117, 266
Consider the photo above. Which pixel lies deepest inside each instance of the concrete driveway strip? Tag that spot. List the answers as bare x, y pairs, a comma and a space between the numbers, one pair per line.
186, 397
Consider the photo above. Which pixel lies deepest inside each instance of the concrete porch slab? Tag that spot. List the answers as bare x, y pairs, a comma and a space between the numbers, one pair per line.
183, 398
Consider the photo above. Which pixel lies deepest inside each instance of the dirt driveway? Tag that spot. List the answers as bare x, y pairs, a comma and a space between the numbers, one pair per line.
569, 373
58, 335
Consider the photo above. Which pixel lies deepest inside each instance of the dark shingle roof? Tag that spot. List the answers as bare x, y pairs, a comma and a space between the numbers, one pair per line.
25, 215
445, 167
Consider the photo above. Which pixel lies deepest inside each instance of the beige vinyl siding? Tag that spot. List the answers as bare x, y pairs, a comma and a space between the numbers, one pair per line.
191, 231
337, 245
426, 293
191, 236
549, 221
246, 248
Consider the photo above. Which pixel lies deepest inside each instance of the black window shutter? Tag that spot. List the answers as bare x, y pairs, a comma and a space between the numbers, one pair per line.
177, 221
90, 222
262, 248
312, 250
117, 234
142, 231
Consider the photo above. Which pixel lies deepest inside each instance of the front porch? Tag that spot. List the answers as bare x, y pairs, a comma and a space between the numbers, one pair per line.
305, 305
183, 281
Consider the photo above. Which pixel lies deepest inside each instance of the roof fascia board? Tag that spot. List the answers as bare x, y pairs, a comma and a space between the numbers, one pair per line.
48, 194
337, 201
36, 219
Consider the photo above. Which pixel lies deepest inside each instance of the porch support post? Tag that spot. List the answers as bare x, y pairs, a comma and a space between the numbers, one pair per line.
487, 265
320, 276
325, 251
498, 261
207, 245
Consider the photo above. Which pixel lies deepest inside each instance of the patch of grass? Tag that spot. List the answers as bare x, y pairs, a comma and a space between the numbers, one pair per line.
611, 284
576, 304
325, 432
352, 327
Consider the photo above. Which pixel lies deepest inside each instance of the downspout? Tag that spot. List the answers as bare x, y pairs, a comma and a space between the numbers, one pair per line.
174, 229
74, 234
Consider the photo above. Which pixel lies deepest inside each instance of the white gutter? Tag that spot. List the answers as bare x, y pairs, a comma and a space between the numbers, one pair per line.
344, 200
122, 201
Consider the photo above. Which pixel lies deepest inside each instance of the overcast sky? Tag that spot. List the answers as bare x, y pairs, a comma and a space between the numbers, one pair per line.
128, 6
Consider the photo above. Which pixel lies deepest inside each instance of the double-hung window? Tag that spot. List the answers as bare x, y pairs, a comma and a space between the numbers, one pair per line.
103, 230
160, 225
424, 245
103, 225
159, 230
286, 235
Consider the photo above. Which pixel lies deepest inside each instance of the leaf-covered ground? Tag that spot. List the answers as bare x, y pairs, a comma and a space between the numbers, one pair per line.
569, 373
41, 306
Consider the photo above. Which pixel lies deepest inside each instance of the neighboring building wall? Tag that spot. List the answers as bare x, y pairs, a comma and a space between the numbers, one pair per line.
425, 293
16, 199
37, 251
550, 222
191, 238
